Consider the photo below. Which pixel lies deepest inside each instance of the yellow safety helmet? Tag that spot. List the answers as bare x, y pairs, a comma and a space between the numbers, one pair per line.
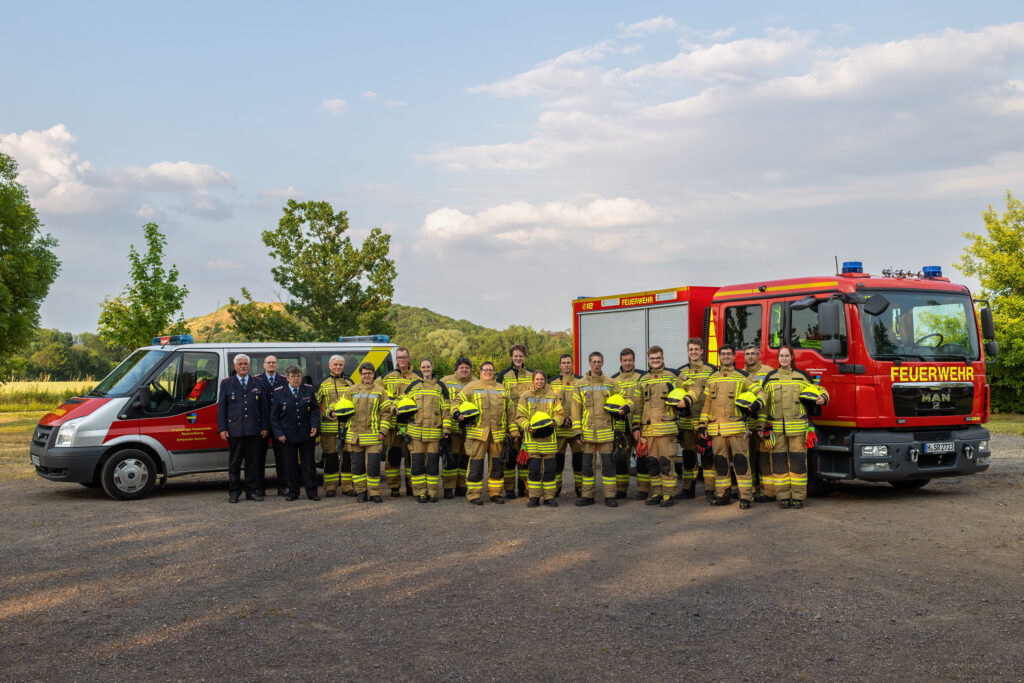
343, 408
675, 397
811, 393
617, 405
541, 425
467, 410
406, 408
746, 400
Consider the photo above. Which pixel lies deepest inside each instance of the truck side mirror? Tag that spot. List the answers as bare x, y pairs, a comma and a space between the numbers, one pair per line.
988, 328
991, 349
828, 318
876, 305
801, 304
830, 348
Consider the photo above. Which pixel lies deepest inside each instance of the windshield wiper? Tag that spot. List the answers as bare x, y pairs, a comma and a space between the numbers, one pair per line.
97, 394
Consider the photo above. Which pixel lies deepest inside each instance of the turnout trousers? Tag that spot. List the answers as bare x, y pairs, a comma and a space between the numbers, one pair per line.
366, 468
540, 480
453, 475
425, 472
660, 462
597, 454
789, 467
731, 452
688, 473
479, 451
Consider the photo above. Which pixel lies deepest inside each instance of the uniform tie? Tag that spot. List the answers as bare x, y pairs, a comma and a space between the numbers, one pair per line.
295, 392
245, 382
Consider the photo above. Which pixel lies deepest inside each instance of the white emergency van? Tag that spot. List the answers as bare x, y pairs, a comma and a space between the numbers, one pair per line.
155, 415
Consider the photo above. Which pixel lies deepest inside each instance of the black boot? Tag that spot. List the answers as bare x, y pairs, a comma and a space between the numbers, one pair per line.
583, 502
762, 498
510, 494
724, 499
666, 502
422, 499
653, 500
620, 494
641, 495
460, 491
744, 505
361, 497
611, 502
534, 502
551, 502
449, 494
395, 493
376, 499
498, 499
787, 503
477, 501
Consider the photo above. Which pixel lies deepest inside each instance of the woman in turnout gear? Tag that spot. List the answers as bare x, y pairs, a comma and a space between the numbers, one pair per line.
327, 395
565, 386
726, 424
695, 373
539, 411
760, 456
486, 433
367, 431
654, 426
785, 413
397, 451
516, 379
427, 426
598, 435
627, 377
455, 469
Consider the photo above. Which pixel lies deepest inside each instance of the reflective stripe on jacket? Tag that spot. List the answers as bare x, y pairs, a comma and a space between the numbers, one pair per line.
373, 414
433, 416
327, 394
720, 414
565, 387
492, 400
757, 372
455, 385
650, 413
783, 409
698, 375
536, 401
591, 393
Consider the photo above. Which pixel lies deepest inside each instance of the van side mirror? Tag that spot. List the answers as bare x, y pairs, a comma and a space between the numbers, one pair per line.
991, 349
828, 318
876, 305
988, 328
144, 400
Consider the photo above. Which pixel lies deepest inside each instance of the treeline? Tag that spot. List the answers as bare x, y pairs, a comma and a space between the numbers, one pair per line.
63, 356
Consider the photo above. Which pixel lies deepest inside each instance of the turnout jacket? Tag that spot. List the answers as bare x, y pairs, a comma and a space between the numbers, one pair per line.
373, 414
591, 393
396, 382
720, 414
784, 410
757, 372
293, 416
455, 385
495, 410
539, 401
651, 415
515, 382
433, 418
698, 374
327, 395
565, 387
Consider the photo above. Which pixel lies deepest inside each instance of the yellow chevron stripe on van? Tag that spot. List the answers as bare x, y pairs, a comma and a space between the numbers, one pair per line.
375, 356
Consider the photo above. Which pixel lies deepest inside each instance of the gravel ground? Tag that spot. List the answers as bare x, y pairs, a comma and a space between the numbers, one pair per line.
871, 583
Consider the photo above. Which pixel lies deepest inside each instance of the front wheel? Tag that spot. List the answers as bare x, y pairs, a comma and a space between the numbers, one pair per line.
819, 487
128, 474
910, 483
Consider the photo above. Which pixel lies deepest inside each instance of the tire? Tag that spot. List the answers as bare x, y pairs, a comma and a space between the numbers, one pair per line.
910, 483
819, 487
128, 474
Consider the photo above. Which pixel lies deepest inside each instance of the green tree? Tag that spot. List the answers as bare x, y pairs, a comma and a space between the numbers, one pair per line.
28, 265
334, 287
995, 259
151, 304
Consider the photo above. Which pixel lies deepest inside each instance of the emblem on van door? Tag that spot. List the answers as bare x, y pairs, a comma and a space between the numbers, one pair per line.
191, 417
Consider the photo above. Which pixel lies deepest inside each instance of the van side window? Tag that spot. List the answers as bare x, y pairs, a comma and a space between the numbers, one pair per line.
743, 326
190, 378
165, 388
352, 361
284, 360
775, 326
803, 325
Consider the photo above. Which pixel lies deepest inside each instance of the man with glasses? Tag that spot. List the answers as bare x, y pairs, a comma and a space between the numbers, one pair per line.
397, 451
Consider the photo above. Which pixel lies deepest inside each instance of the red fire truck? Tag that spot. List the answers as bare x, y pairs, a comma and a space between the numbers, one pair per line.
901, 355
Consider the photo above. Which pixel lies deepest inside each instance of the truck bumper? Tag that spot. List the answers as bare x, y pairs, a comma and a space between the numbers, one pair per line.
917, 455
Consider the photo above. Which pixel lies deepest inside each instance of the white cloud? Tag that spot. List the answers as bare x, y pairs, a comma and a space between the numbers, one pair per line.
164, 174
334, 106
369, 95
287, 193
655, 25
571, 70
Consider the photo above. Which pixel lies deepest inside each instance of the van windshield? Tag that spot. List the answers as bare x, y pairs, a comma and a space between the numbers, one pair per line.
922, 326
126, 377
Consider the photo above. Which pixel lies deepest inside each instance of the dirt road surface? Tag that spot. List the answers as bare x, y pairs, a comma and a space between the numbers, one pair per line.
873, 583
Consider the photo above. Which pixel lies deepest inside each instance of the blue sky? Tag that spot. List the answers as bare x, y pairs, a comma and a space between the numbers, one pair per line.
520, 154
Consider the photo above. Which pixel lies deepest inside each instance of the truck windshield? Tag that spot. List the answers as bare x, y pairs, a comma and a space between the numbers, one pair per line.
127, 376
922, 326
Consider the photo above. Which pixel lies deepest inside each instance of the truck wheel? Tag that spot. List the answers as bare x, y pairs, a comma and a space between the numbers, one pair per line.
910, 483
819, 487
128, 474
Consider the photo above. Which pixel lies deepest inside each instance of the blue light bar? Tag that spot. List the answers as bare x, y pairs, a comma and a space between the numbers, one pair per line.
932, 271
853, 267
367, 339
173, 340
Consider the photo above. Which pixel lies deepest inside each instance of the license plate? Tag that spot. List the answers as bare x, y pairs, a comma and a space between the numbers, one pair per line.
35, 460
939, 447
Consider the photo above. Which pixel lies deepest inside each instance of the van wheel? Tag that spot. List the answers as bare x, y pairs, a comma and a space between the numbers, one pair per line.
128, 474
910, 483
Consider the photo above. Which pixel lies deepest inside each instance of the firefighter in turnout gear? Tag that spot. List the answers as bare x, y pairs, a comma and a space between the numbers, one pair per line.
565, 386
453, 472
627, 377
367, 431
654, 426
428, 425
538, 412
395, 382
486, 433
516, 379
696, 372
760, 456
723, 420
327, 395
786, 413
592, 391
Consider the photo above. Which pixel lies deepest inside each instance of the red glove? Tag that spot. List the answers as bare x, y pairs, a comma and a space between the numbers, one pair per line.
523, 458
812, 439
641, 449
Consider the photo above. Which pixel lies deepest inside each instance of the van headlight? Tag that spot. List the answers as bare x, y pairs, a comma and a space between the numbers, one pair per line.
66, 433
874, 451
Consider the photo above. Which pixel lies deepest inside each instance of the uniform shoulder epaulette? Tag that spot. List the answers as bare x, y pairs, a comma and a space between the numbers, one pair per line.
503, 372
682, 367
551, 380
444, 389
768, 376
741, 372
278, 388
642, 373
412, 384
713, 368
617, 374
806, 376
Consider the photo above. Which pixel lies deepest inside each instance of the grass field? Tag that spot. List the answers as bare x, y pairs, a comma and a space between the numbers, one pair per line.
25, 396
1006, 423
15, 433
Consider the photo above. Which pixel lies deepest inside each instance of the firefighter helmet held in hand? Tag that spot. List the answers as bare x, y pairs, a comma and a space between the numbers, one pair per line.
616, 404
406, 408
811, 393
343, 408
747, 402
676, 397
541, 425
467, 410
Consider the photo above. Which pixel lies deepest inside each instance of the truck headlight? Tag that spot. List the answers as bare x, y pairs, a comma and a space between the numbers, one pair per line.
66, 433
876, 466
983, 445
874, 451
